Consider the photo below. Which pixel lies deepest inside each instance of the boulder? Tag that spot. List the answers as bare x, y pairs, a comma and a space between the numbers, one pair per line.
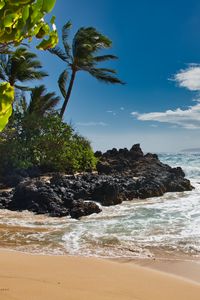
37, 196
5, 199
107, 193
84, 208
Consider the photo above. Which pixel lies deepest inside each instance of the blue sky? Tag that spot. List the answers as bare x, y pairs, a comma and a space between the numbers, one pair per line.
158, 44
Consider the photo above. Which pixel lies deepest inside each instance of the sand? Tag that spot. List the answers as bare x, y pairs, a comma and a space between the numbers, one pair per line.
32, 277
188, 269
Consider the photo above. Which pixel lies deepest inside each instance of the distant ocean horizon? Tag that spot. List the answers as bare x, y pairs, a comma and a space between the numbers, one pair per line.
167, 225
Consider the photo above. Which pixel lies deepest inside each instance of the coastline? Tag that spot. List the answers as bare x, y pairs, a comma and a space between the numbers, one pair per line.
25, 276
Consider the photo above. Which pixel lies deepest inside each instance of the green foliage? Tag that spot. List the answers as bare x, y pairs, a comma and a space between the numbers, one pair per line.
81, 55
45, 142
25, 19
6, 100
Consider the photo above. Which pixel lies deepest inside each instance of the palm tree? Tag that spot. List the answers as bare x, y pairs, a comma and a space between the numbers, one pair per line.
82, 56
19, 67
41, 102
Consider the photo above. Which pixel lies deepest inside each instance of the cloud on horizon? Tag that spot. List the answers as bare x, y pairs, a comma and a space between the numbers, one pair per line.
188, 118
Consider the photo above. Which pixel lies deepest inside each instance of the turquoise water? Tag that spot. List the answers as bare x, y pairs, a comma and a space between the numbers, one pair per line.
138, 228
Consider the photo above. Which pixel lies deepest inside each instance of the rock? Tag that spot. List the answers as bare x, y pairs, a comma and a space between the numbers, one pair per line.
104, 167
106, 193
82, 208
54, 200
136, 151
13, 180
98, 153
5, 199
38, 197
158, 178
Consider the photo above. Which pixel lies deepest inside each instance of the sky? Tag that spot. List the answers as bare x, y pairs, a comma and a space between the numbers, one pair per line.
158, 45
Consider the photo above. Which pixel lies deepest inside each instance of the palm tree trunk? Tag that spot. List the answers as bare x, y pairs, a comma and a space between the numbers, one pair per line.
68, 94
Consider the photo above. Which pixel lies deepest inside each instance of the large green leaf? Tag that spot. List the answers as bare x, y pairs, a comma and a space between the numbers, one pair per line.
25, 19
48, 5
6, 100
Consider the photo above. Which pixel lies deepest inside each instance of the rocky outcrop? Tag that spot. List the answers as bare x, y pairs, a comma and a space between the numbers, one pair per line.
152, 177
122, 175
46, 198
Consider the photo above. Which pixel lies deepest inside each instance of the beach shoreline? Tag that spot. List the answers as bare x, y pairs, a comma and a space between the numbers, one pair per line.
28, 276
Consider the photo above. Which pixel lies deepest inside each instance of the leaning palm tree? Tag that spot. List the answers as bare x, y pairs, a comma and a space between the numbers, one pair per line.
41, 102
82, 56
19, 67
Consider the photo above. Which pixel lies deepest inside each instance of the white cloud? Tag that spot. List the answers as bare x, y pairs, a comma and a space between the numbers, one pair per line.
134, 113
189, 78
122, 108
91, 124
188, 118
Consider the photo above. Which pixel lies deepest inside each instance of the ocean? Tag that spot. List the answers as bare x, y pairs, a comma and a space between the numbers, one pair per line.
167, 225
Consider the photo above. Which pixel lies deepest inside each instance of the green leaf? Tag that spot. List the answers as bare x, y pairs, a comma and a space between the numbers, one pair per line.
51, 42
24, 19
48, 5
25, 13
6, 100
2, 3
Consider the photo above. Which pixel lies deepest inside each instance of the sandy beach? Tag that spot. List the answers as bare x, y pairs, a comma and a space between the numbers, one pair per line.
34, 277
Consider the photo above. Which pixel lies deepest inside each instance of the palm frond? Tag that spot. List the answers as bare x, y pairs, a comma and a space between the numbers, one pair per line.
107, 70
104, 76
62, 82
104, 57
65, 34
87, 41
23, 88
58, 52
41, 102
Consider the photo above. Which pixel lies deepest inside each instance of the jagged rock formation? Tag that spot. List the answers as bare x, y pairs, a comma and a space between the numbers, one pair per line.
122, 175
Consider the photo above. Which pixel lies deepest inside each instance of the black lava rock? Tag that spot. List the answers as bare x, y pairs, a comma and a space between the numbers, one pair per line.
122, 175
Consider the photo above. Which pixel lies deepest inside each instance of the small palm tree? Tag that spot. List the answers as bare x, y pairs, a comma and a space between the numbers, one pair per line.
19, 67
41, 102
82, 56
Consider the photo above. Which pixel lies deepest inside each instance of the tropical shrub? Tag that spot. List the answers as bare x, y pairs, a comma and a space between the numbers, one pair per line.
44, 142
